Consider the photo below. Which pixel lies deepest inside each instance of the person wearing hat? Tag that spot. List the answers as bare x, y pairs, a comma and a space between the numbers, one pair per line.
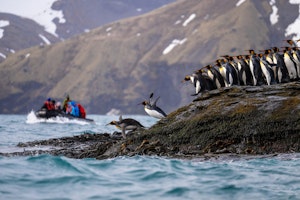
65, 103
48, 104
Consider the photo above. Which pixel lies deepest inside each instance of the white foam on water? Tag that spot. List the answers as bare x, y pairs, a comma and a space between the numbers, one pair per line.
32, 119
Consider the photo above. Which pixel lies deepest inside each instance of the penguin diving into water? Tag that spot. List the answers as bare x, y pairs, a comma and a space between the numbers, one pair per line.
126, 124
152, 109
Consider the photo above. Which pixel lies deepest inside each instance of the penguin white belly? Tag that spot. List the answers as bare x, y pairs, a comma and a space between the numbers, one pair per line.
252, 72
297, 61
266, 72
222, 71
154, 113
131, 127
198, 87
290, 67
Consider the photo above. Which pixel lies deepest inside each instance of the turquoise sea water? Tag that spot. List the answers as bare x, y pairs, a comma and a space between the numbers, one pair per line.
58, 177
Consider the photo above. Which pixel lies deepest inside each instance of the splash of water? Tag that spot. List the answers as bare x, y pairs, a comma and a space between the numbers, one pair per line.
32, 119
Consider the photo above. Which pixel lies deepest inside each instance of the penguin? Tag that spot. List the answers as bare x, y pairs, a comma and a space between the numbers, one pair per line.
296, 57
281, 74
231, 74
152, 109
126, 124
290, 64
291, 42
266, 69
215, 76
233, 63
255, 69
244, 72
200, 81
269, 58
194, 80
222, 71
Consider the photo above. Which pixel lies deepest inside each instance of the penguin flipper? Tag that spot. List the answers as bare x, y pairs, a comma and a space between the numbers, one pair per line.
154, 104
150, 98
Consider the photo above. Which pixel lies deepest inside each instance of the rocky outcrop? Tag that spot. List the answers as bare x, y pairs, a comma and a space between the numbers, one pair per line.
239, 120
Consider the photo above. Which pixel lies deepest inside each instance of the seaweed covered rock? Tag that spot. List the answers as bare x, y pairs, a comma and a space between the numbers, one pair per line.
242, 120
236, 120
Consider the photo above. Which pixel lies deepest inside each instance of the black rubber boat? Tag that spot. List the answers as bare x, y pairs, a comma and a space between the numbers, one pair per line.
48, 114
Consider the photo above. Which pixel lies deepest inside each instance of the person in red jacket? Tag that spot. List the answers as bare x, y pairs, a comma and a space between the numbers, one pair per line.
81, 111
48, 104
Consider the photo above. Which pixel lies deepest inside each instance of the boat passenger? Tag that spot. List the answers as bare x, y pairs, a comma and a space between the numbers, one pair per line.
57, 106
82, 112
65, 103
48, 105
72, 109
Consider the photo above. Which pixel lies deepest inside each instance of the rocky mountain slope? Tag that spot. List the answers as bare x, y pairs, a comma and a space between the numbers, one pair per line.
42, 23
119, 64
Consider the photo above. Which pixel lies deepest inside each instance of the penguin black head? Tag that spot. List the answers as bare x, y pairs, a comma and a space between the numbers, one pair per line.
275, 49
291, 42
251, 51
144, 103
208, 66
240, 57
260, 55
112, 123
186, 78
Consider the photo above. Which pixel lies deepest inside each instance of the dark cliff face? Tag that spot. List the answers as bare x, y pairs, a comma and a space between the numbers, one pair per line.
236, 120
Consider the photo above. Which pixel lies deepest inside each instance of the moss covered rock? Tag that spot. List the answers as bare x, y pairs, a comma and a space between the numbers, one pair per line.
236, 120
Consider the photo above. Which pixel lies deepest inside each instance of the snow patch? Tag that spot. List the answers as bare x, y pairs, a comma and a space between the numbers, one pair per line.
44, 39
191, 17
294, 28
2, 55
274, 15
1, 33
108, 29
173, 44
177, 22
37, 10
3, 23
240, 2
27, 55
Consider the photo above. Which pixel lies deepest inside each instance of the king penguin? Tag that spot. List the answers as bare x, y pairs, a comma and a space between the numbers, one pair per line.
152, 109
290, 64
266, 69
255, 68
244, 71
200, 81
126, 124
282, 74
215, 76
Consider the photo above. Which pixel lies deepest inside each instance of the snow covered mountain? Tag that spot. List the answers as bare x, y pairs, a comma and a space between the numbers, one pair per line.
29, 23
